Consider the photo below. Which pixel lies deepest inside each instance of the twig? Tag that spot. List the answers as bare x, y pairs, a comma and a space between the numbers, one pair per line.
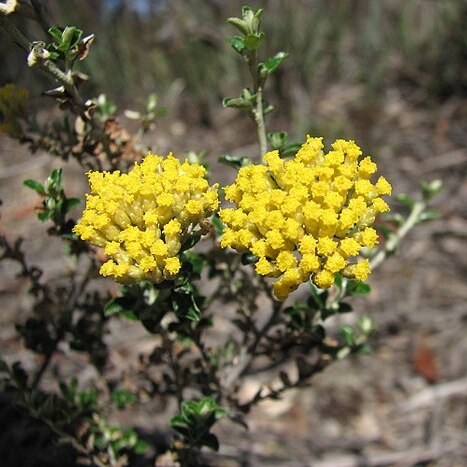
259, 120
392, 243
66, 438
410, 457
48, 66
40, 15
75, 293
14, 34
248, 353
432, 395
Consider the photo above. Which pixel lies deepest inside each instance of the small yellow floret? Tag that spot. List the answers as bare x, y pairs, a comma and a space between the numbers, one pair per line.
379, 205
349, 247
264, 267
172, 266
369, 237
194, 207
285, 260
309, 263
362, 270
326, 246
335, 263
383, 186
324, 279
172, 228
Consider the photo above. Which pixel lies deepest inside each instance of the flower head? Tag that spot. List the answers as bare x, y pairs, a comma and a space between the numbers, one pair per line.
142, 218
308, 217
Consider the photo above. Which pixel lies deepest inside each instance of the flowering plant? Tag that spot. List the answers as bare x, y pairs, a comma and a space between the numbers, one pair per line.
303, 216
303, 219
142, 218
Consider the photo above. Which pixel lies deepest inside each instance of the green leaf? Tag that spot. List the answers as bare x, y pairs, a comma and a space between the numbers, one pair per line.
53, 184
239, 24
252, 18
430, 189
237, 103
244, 102
70, 38
36, 186
355, 287
56, 176
253, 41
277, 139
218, 224
54, 55
44, 215
348, 334
429, 215
319, 332
196, 260
344, 308
365, 349
190, 242
317, 297
366, 325
56, 34
248, 258
67, 37
87, 399
236, 162
140, 447
237, 43
406, 200
338, 280
114, 307
70, 203
122, 398
271, 64
210, 440
177, 421
384, 230
184, 302
194, 313
290, 149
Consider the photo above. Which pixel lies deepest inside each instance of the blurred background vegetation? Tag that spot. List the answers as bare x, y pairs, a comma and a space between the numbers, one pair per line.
178, 50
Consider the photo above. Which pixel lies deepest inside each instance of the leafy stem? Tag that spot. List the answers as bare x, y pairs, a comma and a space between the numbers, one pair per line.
48, 66
259, 120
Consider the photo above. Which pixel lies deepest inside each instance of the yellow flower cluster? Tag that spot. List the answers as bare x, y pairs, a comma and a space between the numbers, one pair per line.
306, 217
142, 218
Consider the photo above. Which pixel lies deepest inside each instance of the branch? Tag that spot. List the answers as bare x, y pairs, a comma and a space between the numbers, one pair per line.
409, 457
36, 57
433, 395
392, 243
40, 15
248, 353
14, 34
259, 120
75, 293
67, 438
